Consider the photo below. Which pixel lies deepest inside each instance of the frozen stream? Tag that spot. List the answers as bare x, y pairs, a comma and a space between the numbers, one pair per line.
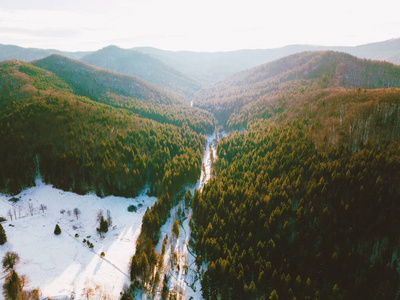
179, 261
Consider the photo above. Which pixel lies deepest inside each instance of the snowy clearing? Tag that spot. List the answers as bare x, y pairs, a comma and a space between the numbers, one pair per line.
63, 265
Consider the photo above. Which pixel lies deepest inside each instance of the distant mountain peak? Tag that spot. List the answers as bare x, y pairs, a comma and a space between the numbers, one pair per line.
145, 67
111, 47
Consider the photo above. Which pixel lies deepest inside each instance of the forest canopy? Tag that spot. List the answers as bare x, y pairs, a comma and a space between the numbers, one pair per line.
280, 218
82, 145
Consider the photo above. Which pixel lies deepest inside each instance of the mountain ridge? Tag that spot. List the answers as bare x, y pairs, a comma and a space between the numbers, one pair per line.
143, 66
206, 68
78, 71
223, 64
29, 54
338, 96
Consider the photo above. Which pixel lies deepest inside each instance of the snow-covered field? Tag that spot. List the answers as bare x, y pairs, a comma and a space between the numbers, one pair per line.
63, 266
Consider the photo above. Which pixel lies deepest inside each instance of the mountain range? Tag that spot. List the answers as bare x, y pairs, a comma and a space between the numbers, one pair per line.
186, 72
28, 54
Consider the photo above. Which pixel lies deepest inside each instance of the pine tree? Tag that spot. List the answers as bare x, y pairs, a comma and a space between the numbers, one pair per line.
3, 237
175, 228
188, 198
57, 230
12, 286
103, 225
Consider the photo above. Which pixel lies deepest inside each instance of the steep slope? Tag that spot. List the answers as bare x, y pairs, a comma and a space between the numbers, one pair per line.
249, 94
127, 92
331, 116
143, 66
215, 66
304, 204
28, 54
81, 145
281, 220
95, 82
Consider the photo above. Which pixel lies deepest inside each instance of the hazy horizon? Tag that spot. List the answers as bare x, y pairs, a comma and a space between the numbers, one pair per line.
178, 25
188, 50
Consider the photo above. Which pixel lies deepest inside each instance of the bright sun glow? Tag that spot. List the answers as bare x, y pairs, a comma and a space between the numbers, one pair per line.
195, 25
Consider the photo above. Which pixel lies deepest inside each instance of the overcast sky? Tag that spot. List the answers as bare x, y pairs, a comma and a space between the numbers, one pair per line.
206, 25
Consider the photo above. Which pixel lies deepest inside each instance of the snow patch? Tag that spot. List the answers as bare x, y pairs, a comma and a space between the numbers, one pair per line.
63, 265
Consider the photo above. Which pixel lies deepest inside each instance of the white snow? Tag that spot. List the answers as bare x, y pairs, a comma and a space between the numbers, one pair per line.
63, 266
186, 285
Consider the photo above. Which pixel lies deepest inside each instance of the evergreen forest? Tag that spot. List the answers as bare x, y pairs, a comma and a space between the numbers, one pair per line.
83, 145
303, 201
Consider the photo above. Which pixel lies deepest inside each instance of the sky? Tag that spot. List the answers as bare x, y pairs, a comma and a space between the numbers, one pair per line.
206, 25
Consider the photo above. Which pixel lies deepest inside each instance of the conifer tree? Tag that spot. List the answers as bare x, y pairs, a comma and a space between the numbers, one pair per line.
3, 236
12, 287
103, 226
175, 228
57, 230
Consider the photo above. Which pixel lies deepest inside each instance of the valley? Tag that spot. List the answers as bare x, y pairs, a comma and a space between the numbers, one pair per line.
277, 180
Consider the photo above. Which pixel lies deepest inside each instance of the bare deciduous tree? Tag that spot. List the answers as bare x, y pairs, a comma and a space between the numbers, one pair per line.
43, 207
31, 209
99, 215
109, 220
77, 212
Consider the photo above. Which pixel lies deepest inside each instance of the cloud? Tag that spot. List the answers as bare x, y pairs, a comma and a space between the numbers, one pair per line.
48, 33
206, 25
60, 5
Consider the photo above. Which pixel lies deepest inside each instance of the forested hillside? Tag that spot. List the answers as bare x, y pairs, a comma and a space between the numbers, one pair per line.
297, 76
304, 202
127, 92
281, 220
143, 66
95, 82
331, 116
81, 145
